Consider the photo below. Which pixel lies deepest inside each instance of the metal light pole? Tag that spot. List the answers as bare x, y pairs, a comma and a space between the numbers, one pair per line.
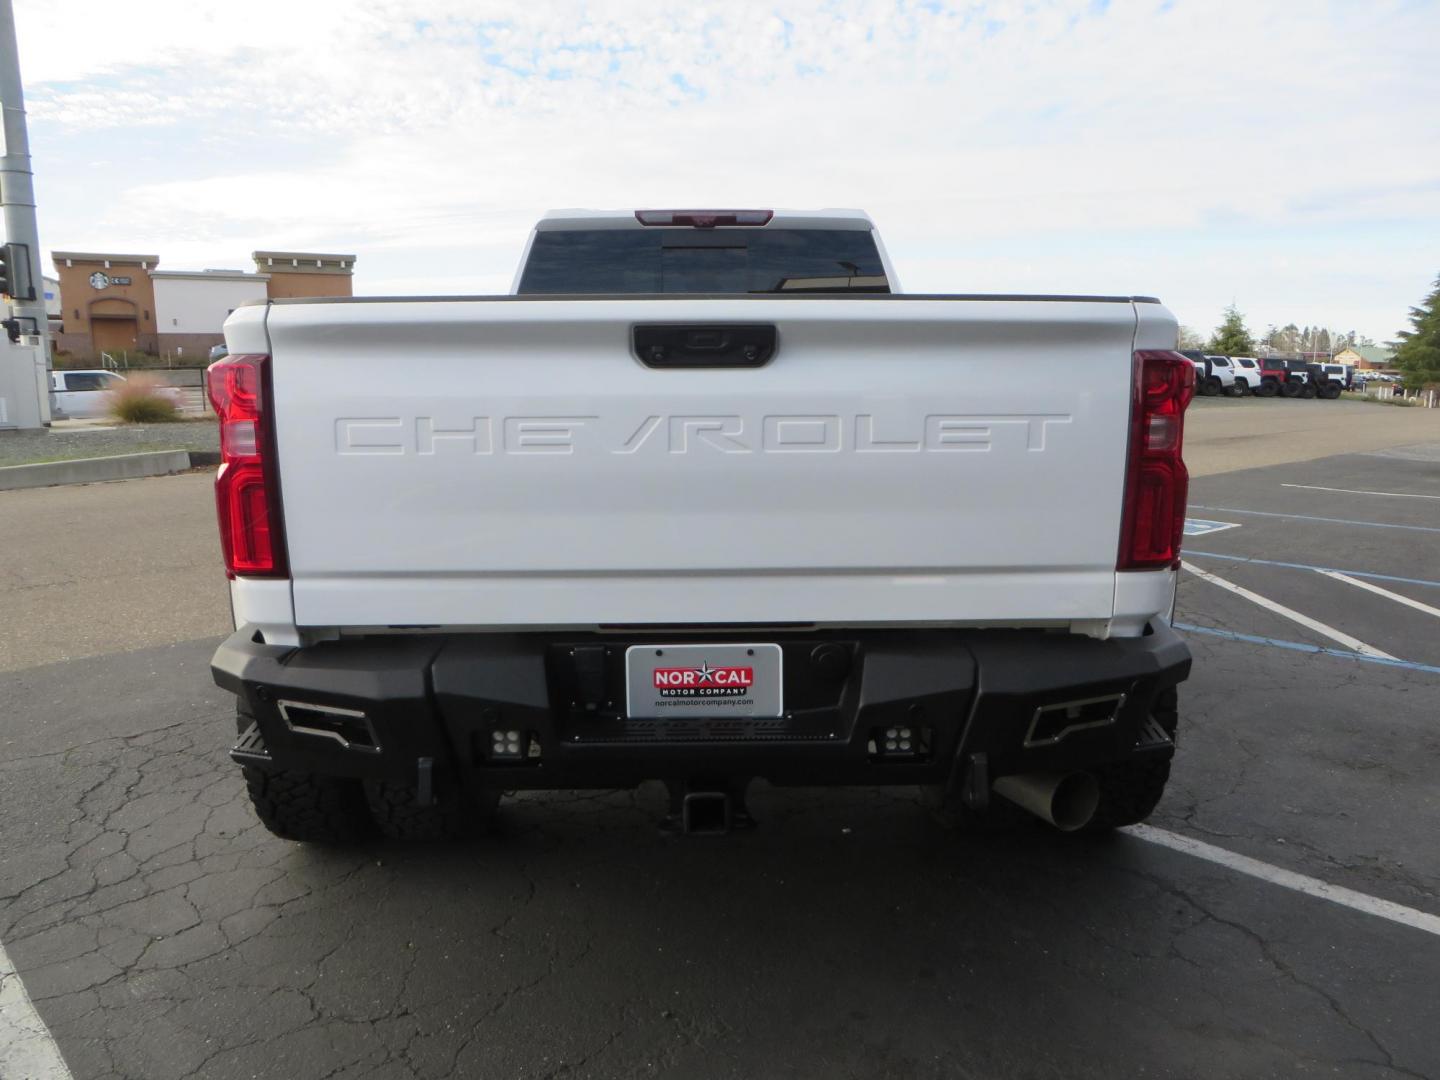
21, 366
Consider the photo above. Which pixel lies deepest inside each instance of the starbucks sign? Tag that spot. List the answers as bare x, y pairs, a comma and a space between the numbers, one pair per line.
101, 280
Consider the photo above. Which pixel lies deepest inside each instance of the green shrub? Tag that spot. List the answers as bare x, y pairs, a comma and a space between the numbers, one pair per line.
142, 400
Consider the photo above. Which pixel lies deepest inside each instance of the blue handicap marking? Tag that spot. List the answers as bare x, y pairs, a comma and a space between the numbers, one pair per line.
1199, 526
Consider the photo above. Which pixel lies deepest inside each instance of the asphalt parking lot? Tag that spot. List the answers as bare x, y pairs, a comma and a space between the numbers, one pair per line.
161, 933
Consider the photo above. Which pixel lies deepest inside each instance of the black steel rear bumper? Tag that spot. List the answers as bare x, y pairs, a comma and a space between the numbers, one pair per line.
1026, 700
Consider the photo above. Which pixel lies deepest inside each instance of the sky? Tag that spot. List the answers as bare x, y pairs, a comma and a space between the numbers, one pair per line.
1281, 155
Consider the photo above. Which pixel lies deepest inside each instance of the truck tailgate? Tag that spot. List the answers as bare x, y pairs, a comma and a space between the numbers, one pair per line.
510, 461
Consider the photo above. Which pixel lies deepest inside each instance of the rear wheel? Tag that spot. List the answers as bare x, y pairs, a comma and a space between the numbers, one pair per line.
452, 813
1238, 390
1290, 389
1213, 386
1331, 393
1309, 390
305, 806
1129, 793
1268, 388
1130, 790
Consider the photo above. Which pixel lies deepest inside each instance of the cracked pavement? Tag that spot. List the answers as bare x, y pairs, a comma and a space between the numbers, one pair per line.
162, 933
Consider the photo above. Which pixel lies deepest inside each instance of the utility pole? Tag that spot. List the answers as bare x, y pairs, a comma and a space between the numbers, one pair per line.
23, 365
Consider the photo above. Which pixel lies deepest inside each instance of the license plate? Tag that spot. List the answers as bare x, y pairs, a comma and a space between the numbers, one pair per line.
676, 681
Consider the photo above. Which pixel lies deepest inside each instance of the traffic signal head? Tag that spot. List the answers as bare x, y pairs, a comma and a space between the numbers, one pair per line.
15, 281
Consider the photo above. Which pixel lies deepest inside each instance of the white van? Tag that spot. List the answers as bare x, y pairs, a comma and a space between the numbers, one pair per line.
77, 395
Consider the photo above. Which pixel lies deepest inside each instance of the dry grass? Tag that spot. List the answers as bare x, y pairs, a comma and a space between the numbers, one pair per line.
142, 401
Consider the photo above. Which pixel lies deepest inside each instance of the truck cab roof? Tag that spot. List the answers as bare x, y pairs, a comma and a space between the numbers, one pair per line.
553, 220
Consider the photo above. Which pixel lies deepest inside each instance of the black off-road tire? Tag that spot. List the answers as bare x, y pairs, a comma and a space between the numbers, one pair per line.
309, 807
1331, 393
1309, 390
305, 806
1290, 389
1129, 793
453, 813
1130, 790
1268, 388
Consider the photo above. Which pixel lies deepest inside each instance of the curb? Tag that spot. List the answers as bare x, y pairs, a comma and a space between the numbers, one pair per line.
97, 469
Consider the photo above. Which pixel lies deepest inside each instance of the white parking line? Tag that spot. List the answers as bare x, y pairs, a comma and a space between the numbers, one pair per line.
1312, 517
27, 1049
1201, 527
1352, 491
1323, 890
1416, 604
1319, 627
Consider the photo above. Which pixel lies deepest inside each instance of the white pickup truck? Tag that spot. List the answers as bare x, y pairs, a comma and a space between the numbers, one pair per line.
704, 500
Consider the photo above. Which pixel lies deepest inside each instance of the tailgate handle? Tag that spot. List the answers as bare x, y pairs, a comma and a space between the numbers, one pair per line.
710, 346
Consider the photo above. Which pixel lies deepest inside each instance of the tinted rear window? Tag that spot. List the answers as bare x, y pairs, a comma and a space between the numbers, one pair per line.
659, 260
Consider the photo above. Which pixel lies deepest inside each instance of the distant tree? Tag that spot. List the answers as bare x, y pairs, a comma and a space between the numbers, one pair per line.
1282, 341
1231, 338
1317, 339
1190, 339
1417, 351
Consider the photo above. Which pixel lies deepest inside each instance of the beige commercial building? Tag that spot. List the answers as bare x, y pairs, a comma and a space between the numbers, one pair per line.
107, 303
1366, 357
122, 304
305, 273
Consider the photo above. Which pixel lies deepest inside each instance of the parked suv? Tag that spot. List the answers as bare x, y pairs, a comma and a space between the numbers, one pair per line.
1211, 377
1290, 378
1247, 374
1224, 370
1329, 379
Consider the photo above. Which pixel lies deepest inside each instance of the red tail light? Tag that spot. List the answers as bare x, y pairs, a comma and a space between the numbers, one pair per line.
247, 495
1156, 482
704, 219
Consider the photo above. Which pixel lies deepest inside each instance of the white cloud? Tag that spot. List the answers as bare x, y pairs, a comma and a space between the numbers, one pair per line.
442, 128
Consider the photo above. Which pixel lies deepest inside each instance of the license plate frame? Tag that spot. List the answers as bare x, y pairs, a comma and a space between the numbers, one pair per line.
705, 681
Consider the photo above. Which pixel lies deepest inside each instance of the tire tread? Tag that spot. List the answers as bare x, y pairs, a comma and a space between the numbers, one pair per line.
451, 815
306, 806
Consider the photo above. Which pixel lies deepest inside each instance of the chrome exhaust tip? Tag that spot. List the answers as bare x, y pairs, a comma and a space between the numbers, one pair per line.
1066, 800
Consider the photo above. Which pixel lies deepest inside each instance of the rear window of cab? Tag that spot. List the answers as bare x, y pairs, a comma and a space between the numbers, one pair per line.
686, 260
